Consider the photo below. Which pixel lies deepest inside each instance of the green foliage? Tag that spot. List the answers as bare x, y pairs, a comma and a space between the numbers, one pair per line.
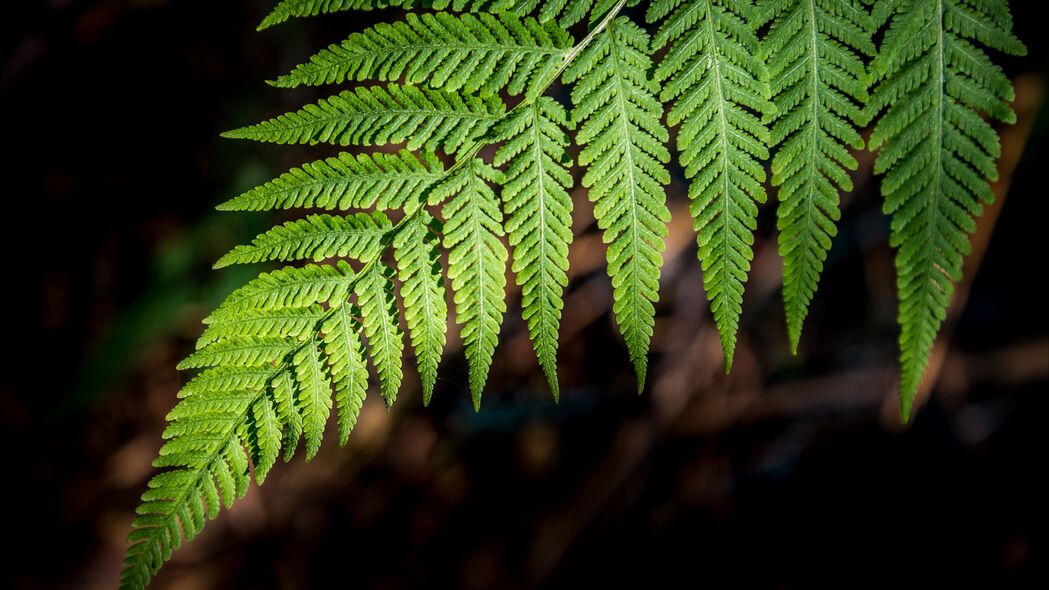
624, 154
790, 78
381, 181
422, 287
472, 54
539, 219
476, 263
819, 86
316, 237
717, 85
417, 117
936, 151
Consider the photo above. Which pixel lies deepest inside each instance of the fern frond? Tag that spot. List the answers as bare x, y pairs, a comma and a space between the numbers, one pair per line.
819, 85
288, 288
349, 367
315, 237
362, 181
480, 54
473, 224
375, 295
423, 293
936, 151
718, 84
539, 219
417, 117
625, 160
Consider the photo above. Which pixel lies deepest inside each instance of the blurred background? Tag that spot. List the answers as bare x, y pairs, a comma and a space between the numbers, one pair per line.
791, 472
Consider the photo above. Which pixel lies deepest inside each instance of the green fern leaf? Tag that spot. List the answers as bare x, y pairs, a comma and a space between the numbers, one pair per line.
375, 295
316, 237
417, 117
288, 288
204, 448
568, 12
264, 437
349, 367
300, 8
288, 411
294, 322
473, 224
936, 152
313, 393
625, 160
717, 83
244, 351
362, 181
422, 289
480, 54
227, 378
819, 85
539, 219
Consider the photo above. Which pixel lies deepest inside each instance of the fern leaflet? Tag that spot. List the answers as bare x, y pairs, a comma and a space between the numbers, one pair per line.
539, 218
423, 292
625, 157
315, 237
349, 368
819, 85
379, 180
383, 115
473, 224
717, 83
936, 151
472, 54
379, 310
300, 8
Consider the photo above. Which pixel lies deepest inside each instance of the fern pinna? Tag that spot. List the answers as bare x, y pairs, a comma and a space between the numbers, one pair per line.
788, 83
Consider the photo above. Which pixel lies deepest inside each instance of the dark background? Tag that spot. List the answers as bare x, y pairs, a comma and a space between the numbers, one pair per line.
790, 472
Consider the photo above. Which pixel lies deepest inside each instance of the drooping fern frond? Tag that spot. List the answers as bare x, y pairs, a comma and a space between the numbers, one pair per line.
936, 151
349, 181
717, 84
293, 344
479, 54
416, 117
473, 224
539, 219
625, 156
819, 86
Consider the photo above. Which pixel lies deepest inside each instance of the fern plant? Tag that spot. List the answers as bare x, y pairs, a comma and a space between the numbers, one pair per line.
743, 83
